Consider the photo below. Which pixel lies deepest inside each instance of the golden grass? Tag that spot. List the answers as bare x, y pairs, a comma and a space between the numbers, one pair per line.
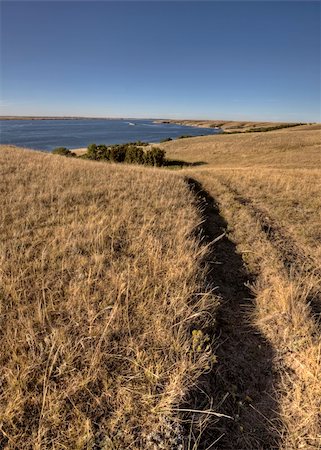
284, 148
103, 280
269, 192
290, 197
100, 289
281, 312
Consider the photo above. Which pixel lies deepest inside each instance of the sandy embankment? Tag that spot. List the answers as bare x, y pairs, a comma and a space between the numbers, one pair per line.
79, 151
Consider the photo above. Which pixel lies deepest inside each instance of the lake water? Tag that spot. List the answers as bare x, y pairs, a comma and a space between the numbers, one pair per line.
48, 134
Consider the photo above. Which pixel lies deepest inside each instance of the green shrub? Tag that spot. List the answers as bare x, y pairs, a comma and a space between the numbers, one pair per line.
134, 155
140, 143
272, 128
130, 153
118, 153
98, 152
92, 151
63, 151
102, 152
155, 157
166, 139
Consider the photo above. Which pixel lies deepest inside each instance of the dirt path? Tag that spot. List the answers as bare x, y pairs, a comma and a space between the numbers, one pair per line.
242, 382
295, 260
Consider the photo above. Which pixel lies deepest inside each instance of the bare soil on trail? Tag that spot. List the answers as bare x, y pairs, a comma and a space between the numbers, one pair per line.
242, 381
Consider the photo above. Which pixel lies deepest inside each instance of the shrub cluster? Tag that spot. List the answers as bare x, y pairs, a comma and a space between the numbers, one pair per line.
131, 153
272, 128
63, 151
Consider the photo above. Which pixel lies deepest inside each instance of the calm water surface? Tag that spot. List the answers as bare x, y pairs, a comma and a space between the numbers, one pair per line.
48, 134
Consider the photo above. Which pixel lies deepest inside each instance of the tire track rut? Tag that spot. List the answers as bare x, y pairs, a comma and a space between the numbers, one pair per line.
242, 382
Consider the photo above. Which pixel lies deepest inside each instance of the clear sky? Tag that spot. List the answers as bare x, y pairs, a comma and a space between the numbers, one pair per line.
187, 59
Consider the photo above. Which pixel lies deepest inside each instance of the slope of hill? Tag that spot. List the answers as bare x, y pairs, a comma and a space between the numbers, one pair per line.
116, 280
274, 221
101, 289
283, 148
230, 125
268, 191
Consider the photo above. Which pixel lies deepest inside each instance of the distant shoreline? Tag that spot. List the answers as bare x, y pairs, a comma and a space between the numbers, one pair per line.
219, 126
230, 126
64, 118
49, 134
205, 123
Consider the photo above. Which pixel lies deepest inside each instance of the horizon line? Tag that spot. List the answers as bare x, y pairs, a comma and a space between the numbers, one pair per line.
70, 117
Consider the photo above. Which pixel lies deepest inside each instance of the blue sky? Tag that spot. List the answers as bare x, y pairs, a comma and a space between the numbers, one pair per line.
187, 59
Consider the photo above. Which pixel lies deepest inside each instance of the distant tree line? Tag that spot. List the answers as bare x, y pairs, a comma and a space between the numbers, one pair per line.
264, 129
131, 153
273, 127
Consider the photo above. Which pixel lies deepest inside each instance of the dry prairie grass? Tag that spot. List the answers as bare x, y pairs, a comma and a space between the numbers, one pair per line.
103, 279
290, 197
281, 311
284, 148
273, 217
101, 288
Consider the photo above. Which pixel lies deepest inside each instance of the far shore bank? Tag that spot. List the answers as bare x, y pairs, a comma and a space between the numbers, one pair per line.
232, 125
226, 126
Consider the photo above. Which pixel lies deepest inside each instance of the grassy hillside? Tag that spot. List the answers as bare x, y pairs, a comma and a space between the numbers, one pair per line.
101, 289
274, 222
151, 309
268, 191
231, 126
283, 148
